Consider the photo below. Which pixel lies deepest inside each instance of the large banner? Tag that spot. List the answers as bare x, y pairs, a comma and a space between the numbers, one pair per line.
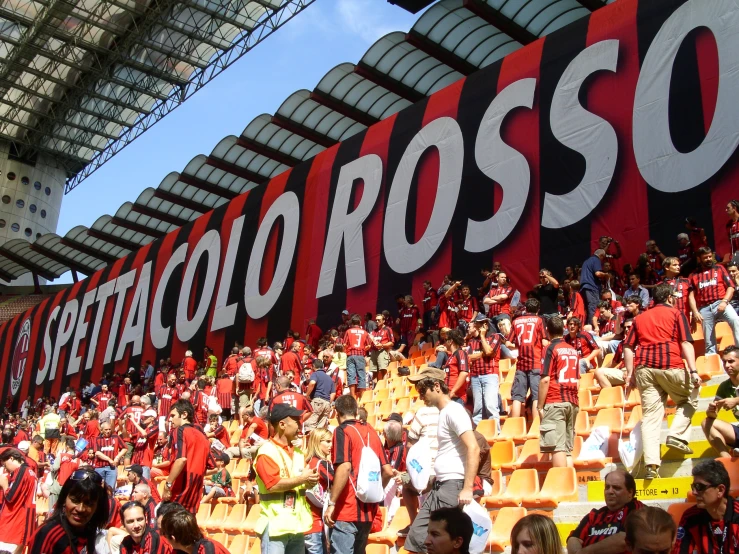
621, 124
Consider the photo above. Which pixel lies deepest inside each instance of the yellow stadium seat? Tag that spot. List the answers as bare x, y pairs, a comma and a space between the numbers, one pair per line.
250, 522
585, 399
510, 376
488, 429
235, 483
242, 468
217, 516
590, 464
381, 384
237, 515
367, 397
513, 428
504, 365
505, 391
239, 545
381, 395
403, 405
203, 512
220, 538
560, 485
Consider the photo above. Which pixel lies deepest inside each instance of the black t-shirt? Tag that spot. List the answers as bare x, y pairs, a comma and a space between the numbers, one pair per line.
547, 297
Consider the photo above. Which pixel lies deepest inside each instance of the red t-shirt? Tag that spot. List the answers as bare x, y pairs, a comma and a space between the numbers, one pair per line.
260, 430
314, 334
189, 366
18, 514
68, 464
294, 399
290, 361
447, 313
191, 443
143, 448
457, 363
349, 439
709, 284
356, 341
577, 307
562, 365
528, 333
658, 333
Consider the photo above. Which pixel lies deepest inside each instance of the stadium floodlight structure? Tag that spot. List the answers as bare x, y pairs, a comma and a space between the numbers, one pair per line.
81, 79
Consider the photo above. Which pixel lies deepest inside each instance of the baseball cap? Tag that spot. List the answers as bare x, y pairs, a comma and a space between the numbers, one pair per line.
149, 413
428, 373
683, 236
23, 446
345, 312
481, 318
394, 417
281, 411
137, 469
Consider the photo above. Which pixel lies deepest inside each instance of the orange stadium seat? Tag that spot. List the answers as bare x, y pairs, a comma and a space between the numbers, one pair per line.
587, 381
250, 522
367, 397
593, 464
242, 469
377, 549
237, 515
203, 513
488, 429
677, 510
523, 483
502, 453
220, 537
582, 424
505, 391
612, 417
235, 483
634, 399
510, 376
389, 536
513, 428
381, 395
585, 399
239, 544
560, 485
634, 418
402, 405
381, 384
529, 457
215, 521
500, 534
611, 397
504, 366
534, 429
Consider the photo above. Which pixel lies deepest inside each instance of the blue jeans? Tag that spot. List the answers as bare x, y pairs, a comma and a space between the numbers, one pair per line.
146, 470
710, 317
349, 537
441, 358
591, 299
355, 374
485, 396
293, 543
314, 543
109, 475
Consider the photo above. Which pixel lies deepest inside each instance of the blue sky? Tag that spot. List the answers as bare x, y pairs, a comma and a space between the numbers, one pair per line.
327, 33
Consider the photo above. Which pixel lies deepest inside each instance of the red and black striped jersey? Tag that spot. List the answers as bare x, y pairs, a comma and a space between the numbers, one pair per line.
681, 286
584, 343
382, 335
528, 333
456, 364
709, 284
732, 228
562, 366
349, 439
603, 523
102, 400
208, 546
408, 320
429, 300
505, 306
151, 543
110, 446
167, 396
192, 444
52, 538
607, 326
356, 339
699, 534
466, 308
143, 448
485, 365
658, 334
18, 513
114, 512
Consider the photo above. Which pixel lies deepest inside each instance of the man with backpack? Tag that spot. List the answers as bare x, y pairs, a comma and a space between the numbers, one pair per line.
361, 471
457, 458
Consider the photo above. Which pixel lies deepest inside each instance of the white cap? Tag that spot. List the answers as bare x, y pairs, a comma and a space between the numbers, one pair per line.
345, 312
23, 446
150, 413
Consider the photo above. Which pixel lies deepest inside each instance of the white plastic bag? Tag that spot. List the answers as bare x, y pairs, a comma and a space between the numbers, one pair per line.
481, 526
418, 465
213, 406
596, 446
630, 451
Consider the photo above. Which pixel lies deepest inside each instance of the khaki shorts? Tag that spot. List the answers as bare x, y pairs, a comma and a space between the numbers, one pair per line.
614, 375
246, 399
379, 359
557, 427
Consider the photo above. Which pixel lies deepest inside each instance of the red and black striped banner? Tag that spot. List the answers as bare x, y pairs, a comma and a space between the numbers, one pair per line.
621, 124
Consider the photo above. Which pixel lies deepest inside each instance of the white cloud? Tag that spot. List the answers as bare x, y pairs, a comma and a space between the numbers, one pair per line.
362, 18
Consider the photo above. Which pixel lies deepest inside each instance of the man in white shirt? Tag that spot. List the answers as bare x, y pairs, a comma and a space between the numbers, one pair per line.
457, 458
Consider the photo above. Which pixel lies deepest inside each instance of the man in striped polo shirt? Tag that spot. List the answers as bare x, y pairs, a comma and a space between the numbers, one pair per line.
711, 290
663, 338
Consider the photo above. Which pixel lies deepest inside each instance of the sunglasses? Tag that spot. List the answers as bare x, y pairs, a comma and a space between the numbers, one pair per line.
82, 474
701, 487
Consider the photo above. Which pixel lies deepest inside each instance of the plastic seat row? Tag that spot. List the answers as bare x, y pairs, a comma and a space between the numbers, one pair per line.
224, 518
560, 485
508, 456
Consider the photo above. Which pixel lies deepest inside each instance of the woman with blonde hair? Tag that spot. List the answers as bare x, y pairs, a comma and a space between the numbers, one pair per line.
535, 534
318, 455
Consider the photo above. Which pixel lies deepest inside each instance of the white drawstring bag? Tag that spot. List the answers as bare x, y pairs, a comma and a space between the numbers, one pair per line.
596, 446
418, 465
481, 526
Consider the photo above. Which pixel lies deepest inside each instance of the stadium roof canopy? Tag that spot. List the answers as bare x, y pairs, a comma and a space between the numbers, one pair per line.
451, 39
81, 79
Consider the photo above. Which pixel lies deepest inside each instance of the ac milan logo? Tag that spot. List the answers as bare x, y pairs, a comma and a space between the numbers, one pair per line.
20, 354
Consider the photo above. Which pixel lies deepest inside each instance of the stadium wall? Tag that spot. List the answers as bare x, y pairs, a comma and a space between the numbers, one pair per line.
622, 123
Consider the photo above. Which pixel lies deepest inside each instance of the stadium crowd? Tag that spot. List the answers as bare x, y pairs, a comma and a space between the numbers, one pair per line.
126, 463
